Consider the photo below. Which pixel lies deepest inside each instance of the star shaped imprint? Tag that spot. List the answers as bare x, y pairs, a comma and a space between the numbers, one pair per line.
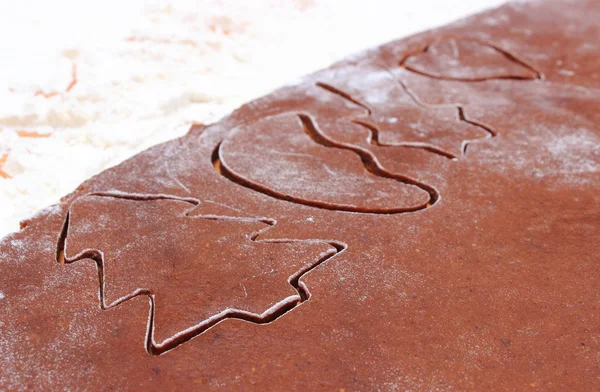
393, 116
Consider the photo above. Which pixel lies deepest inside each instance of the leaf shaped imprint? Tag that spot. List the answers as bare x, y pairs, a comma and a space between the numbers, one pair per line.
197, 270
468, 60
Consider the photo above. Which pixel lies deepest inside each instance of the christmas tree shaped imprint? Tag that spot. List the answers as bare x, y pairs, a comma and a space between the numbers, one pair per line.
197, 270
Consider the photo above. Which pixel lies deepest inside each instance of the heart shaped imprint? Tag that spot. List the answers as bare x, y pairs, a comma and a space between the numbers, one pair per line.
469, 61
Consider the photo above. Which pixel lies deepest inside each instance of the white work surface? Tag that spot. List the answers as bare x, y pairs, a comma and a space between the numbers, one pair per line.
85, 85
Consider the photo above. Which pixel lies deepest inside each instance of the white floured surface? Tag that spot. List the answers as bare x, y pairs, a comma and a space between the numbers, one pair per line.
146, 70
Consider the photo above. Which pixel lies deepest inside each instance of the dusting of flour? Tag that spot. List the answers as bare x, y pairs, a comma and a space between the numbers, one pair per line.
85, 85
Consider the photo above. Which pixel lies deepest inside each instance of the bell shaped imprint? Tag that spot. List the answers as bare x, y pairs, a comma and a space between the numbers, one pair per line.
197, 270
468, 60
288, 157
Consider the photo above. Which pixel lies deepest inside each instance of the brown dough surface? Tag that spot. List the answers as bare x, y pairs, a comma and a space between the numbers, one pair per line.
422, 216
